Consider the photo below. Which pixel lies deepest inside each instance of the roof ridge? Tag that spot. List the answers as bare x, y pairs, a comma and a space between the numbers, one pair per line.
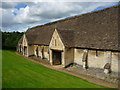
73, 17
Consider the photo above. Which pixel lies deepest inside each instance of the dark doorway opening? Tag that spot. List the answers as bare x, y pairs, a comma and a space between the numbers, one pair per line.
25, 50
56, 56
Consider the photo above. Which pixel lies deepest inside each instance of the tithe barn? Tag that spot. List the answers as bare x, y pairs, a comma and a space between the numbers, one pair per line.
89, 40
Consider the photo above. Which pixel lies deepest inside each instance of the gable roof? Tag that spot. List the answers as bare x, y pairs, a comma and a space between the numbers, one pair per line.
20, 40
97, 30
67, 37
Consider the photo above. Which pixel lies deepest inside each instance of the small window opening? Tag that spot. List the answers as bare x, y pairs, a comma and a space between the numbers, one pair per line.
96, 52
55, 42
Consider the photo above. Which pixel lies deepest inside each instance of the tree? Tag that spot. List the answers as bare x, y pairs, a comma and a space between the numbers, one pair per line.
10, 39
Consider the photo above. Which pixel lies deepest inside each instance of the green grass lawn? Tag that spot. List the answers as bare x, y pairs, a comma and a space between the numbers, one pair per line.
19, 72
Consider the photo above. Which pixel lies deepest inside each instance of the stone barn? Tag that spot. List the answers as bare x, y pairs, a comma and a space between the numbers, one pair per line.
90, 40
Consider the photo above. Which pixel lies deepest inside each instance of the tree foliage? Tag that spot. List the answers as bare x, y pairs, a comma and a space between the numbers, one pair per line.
10, 39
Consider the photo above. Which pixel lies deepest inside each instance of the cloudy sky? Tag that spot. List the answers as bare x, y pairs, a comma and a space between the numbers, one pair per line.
18, 16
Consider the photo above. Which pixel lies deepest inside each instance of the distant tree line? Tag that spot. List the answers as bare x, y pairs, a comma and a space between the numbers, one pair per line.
10, 39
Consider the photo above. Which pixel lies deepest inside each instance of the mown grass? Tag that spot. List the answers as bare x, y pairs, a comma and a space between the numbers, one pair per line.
19, 72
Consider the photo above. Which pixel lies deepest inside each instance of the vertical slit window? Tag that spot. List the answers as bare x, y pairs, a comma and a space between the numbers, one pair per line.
55, 42
96, 52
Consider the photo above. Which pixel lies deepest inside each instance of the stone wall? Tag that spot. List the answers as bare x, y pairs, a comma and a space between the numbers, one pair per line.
25, 46
34, 49
43, 51
25, 43
69, 56
56, 42
30, 50
46, 52
98, 59
78, 54
115, 61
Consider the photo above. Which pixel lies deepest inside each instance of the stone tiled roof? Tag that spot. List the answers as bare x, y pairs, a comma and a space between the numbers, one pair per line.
68, 37
97, 30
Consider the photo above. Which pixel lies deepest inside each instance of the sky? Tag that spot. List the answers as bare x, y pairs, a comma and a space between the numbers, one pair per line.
19, 16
